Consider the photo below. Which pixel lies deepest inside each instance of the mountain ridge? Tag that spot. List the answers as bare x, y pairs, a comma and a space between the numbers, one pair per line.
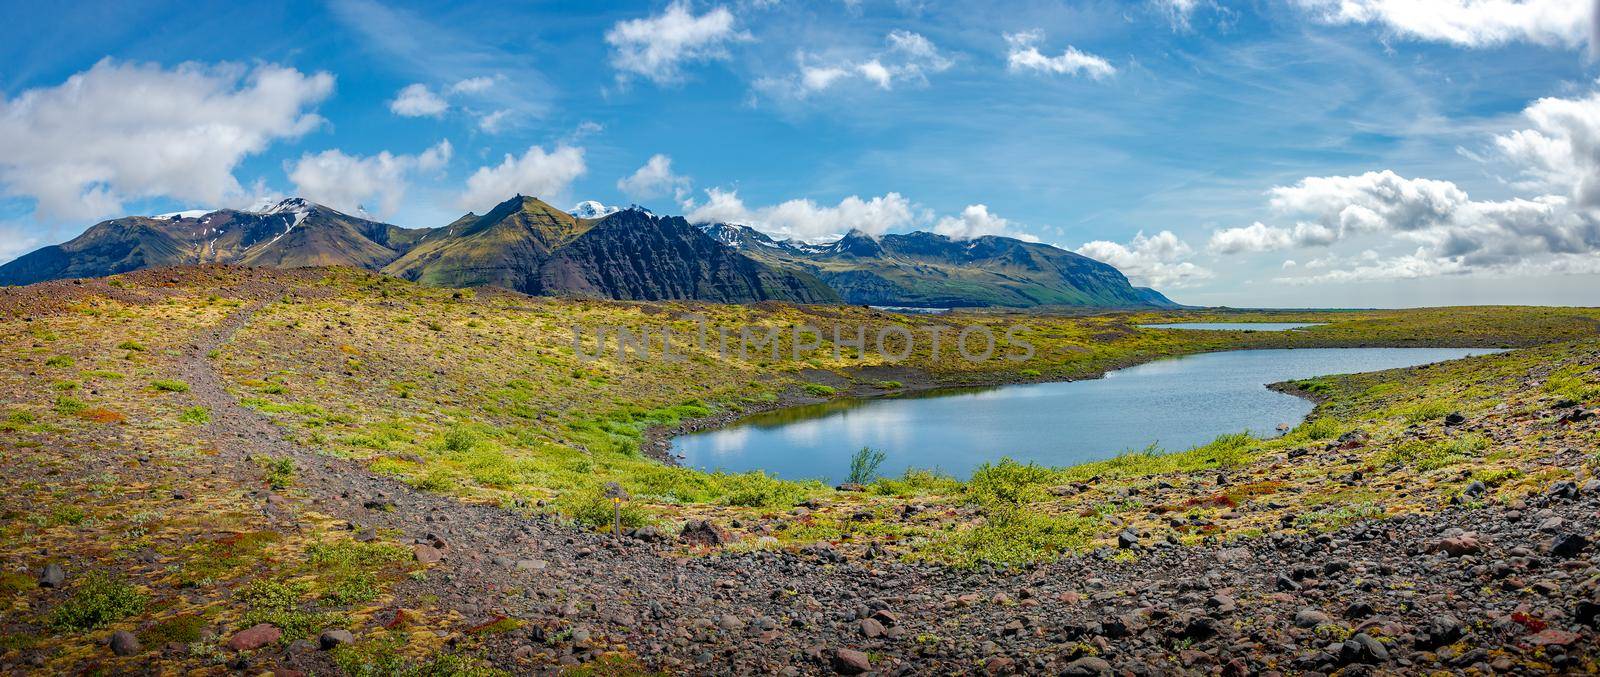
527, 245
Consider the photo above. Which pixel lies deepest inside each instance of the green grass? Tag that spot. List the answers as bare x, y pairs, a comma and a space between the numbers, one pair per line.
195, 416
131, 345
281, 603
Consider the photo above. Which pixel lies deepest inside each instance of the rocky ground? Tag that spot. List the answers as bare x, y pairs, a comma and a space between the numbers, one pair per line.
1484, 586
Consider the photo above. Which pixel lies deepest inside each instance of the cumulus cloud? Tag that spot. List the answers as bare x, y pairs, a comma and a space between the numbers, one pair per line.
907, 57
350, 183
654, 179
1154, 261
417, 101
1466, 23
122, 131
657, 47
537, 173
802, 218
1555, 230
1256, 237
977, 221
1025, 56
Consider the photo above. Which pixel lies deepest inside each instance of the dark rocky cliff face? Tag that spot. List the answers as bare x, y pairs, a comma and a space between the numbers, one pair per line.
632, 255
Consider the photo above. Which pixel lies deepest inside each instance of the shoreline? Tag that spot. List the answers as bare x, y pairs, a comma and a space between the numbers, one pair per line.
657, 442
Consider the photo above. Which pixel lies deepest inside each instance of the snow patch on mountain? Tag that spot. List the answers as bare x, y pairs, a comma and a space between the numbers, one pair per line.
592, 209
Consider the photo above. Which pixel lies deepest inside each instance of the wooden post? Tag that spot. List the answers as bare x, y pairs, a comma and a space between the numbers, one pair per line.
617, 495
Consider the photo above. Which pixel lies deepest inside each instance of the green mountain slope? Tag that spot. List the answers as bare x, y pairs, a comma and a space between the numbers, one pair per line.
928, 270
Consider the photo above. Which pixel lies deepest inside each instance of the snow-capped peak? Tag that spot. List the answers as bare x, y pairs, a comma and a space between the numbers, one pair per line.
591, 209
293, 205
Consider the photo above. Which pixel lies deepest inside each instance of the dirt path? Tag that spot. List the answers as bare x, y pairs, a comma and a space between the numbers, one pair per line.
1238, 609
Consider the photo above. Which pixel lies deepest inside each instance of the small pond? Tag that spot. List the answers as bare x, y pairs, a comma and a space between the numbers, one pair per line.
1176, 403
1234, 326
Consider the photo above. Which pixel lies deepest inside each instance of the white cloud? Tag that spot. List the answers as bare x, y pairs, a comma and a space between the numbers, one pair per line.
1025, 56
537, 173
1154, 261
654, 179
1561, 153
1467, 23
656, 47
417, 101
493, 122
15, 241
475, 85
976, 221
804, 219
907, 58
1177, 11
1256, 237
121, 131
350, 183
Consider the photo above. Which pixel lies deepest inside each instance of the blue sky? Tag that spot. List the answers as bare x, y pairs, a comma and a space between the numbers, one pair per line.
1397, 152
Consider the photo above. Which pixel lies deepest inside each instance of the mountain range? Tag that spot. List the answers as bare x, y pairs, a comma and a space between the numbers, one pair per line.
598, 251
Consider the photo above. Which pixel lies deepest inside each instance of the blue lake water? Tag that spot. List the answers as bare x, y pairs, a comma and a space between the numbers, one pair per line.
1177, 403
1236, 326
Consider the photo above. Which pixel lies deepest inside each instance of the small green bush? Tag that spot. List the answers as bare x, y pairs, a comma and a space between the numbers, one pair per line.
131, 345
58, 361
195, 416
98, 599
279, 471
864, 465
167, 385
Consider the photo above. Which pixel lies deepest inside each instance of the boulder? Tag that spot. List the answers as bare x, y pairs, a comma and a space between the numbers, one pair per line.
850, 662
333, 637
123, 643
255, 637
702, 532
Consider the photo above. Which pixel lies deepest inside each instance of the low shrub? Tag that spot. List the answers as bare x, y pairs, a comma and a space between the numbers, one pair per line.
98, 599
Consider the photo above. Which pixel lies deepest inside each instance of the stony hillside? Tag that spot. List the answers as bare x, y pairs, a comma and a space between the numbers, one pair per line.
219, 469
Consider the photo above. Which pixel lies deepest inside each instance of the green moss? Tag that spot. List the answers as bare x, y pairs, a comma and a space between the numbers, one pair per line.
819, 390
169, 385
195, 416
131, 345
59, 361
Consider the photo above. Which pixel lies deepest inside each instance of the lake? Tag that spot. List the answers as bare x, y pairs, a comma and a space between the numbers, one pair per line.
1234, 326
1177, 403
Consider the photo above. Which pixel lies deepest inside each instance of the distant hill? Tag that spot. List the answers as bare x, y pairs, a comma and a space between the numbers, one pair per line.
290, 234
630, 254
928, 270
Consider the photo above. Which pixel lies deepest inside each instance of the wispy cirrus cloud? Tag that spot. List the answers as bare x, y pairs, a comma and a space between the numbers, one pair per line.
906, 58
447, 58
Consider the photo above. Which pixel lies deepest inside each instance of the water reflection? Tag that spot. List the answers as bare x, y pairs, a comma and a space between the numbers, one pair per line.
1177, 403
